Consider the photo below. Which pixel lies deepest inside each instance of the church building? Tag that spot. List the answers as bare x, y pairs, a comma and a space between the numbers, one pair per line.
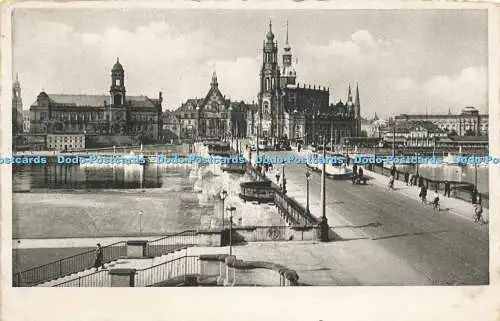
287, 109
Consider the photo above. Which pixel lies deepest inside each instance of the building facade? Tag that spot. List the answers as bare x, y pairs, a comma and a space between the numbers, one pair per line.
65, 142
26, 121
113, 114
287, 109
170, 127
212, 117
469, 122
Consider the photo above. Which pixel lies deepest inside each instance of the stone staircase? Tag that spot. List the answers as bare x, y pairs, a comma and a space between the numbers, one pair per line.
148, 271
102, 278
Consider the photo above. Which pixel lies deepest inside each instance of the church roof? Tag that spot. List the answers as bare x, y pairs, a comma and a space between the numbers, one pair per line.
96, 100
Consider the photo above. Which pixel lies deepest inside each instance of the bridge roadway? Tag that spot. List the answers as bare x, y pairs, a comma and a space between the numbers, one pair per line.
443, 247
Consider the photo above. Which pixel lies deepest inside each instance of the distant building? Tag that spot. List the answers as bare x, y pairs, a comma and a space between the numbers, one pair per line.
26, 121
113, 114
298, 112
415, 134
469, 122
171, 127
211, 117
65, 142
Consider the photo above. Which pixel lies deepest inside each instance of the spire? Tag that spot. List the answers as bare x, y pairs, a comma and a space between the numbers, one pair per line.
287, 32
287, 44
357, 102
16, 82
214, 83
349, 94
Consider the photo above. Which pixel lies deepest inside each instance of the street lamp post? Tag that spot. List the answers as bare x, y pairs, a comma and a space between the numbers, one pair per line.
283, 180
308, 178
223, 196
140, 222
323, 224
231, 209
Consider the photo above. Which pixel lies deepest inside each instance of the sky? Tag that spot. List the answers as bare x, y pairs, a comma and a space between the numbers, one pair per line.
414, 61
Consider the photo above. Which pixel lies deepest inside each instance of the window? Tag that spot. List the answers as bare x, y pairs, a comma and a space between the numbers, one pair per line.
117, 82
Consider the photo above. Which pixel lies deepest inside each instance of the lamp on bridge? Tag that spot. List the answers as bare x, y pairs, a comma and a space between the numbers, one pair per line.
222, 197
231, 209
140, 222
283, 180
308, 178
323, 224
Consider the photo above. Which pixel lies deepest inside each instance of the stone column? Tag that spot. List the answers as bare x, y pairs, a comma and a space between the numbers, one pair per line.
137, 249
122, 277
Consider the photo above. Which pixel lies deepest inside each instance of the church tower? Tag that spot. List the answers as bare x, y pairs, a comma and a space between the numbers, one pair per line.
117, 89
270, 111
17, 107
288, 75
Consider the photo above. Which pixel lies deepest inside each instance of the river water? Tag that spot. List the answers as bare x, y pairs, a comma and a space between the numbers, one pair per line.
58, 201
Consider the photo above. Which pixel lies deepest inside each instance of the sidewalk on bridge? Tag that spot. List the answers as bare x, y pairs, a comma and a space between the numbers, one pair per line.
453, 205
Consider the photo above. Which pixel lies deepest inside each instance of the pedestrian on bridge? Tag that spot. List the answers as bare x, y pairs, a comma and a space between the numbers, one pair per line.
474, 196
447, 188
277, 176
423, 194
99, 258
407, 177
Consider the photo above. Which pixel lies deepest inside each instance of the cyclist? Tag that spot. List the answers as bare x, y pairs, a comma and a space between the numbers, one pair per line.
478, 214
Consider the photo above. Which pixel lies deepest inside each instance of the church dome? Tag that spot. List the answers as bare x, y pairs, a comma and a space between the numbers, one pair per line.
270, 35
118, 66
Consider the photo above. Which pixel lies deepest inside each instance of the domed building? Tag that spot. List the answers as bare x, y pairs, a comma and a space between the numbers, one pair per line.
115, 114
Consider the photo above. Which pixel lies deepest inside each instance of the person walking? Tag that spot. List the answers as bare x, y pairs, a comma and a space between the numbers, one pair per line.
393, 170
423, 194
447, 189
355, 169
99, 258
474, 196
435, 202
420, 181
298, 147
411, 179
277, 176
407, 177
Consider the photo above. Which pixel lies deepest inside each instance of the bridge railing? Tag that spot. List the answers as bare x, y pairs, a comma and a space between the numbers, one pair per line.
67, 265
96, 279
167, 270
85, 260
164, 244
292, 211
